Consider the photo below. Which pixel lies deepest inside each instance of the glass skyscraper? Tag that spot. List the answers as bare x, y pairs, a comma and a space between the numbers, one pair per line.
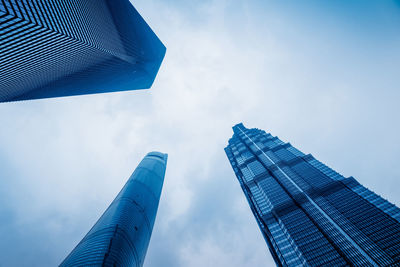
122, 234
52, 48
309, 214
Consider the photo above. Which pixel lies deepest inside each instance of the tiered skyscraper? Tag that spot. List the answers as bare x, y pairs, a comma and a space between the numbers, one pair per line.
122, 234
52, 48
309, 214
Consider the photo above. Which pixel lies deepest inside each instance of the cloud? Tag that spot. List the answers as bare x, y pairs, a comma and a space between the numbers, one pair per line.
64, 160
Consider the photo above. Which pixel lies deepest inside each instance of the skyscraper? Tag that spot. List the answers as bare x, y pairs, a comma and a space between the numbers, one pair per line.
52, 48
122, 234
309, 214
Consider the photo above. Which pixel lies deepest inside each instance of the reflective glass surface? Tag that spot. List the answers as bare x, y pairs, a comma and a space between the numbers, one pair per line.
122, 234
52, 48
309, 214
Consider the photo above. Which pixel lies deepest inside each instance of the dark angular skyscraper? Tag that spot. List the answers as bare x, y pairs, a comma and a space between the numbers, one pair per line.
122, 234
309, 214
52, 48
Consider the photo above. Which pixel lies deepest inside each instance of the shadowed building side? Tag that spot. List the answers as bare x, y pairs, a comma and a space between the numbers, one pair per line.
63, 48
122, 234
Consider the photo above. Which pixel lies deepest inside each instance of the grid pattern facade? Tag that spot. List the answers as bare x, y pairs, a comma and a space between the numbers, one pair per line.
309, 214
122, 234
52, 48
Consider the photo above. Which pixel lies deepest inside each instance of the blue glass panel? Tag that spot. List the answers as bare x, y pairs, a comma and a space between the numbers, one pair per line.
64, 48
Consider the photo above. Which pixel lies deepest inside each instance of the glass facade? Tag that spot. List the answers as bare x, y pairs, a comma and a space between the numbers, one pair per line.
122, 234
52, 48
309, 214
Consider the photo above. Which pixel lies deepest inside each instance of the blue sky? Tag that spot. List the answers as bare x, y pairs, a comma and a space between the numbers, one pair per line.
321, 74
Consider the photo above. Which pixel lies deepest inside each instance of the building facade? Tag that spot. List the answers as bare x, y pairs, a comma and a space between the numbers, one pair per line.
309, 214
53, 48
122, 234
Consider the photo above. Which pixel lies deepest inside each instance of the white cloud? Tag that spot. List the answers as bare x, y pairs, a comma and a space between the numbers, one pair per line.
65, 159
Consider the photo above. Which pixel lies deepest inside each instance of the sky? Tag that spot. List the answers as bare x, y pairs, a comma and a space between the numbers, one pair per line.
322, 75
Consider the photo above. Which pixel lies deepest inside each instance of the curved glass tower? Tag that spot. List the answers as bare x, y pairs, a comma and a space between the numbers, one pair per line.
309, 214
122, 234
53, 48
